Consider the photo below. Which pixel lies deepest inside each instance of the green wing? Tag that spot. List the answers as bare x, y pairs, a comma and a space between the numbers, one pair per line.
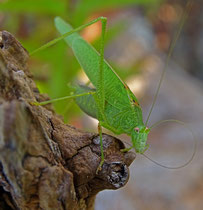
117, 94
88, 57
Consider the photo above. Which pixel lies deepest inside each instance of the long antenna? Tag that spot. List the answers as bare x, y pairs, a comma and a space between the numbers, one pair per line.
171, 48
194, 147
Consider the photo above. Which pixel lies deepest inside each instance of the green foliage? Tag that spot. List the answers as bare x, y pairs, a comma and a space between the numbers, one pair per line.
43, 7
87, 7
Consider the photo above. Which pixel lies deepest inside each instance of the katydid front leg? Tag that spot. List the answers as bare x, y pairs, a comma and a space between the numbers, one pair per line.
127, 149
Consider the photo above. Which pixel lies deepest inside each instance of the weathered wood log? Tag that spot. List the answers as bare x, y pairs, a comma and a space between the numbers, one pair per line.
44, 163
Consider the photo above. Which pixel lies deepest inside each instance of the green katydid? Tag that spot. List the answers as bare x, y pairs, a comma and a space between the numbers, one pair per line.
111, 102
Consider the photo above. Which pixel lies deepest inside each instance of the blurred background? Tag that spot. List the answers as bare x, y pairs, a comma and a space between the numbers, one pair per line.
137, 40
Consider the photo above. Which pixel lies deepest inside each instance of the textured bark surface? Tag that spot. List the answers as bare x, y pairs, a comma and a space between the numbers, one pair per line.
45, 164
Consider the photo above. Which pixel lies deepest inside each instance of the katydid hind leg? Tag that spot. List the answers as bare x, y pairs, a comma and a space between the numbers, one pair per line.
100, 81
67, 33
101, 148
100, 91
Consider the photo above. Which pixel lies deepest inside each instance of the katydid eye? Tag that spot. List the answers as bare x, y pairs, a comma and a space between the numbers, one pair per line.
137, 130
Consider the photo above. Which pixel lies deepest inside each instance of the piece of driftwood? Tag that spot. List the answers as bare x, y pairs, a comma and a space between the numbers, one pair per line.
44, 163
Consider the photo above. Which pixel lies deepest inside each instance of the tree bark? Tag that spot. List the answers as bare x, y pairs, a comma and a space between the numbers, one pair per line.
44, 163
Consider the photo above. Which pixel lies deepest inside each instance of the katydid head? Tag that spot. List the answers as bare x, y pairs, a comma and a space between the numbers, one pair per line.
139, 138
